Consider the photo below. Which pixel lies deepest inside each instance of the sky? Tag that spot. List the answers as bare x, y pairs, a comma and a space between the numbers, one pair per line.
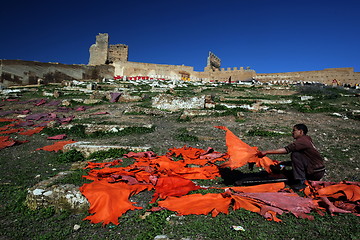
268, 36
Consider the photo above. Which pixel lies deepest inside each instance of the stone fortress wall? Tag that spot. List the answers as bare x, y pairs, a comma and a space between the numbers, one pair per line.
212, 72
19, 72
108, 61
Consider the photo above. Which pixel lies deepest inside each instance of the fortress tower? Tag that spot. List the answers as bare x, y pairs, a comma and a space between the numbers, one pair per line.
102, 53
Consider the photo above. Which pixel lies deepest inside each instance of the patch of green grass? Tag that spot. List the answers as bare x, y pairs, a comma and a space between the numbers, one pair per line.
76, 178
111, 153
184, 136
186, 119
264, 133
79, 131
135, 113
5, 123
70, 156
314, 106
228, 111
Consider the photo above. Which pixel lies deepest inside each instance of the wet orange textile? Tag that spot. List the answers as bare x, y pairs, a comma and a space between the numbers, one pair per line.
213, 203
241, 153
56, 146
268, 187
32, 131
109, 201
109, 196
351, 192
344, 196
6, 141
14, 130
6, 127
8, 119
173, 186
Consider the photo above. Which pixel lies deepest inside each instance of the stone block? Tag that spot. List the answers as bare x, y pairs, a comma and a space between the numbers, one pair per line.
173, 104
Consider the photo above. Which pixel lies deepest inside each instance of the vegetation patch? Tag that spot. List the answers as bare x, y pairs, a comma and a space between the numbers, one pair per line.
264, 133
183, 135
106, 154
70, 156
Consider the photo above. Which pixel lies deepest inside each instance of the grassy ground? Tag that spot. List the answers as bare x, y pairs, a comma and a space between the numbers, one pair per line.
22, 167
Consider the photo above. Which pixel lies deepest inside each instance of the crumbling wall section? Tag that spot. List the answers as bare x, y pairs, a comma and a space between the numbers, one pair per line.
19, 72
99, 50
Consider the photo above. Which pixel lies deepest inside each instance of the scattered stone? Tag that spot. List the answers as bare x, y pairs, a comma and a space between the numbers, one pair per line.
65, 102
76, 227
86, 148
125, 97
145, 215
161, 237
92, 101
173, 104
306, 98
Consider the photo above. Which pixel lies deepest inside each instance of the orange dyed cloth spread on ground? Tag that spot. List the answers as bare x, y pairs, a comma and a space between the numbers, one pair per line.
32, 131
171, 176
6, 141
56, 146
113, 201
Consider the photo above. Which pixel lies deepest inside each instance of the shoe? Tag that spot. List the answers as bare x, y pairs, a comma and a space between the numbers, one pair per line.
298, 187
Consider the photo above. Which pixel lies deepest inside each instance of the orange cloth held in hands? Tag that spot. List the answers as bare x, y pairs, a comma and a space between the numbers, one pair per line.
241, 153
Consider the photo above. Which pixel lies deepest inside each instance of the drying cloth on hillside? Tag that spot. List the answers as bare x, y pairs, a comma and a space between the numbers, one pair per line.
13, 130
56, 146
6, 127
343, 197
114, 97
110, 201
171, 176
57, 137
241, 153
6, 141
31, 132
7, 120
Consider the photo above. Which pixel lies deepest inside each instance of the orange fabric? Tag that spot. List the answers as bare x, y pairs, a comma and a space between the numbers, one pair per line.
14, 130
269, 187
241, 153
32, 131
6, 127
6, 141
351, 192
109, 201
198, 204
8, 120
56, 146
109, 193
173, 186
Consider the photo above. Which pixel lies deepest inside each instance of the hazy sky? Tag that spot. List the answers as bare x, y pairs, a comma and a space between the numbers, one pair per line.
266, 35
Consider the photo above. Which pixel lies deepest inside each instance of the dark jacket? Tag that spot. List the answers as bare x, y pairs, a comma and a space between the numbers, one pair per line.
305, 146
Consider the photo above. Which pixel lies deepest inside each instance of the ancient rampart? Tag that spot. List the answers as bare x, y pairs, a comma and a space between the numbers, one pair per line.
109, 61
19, 72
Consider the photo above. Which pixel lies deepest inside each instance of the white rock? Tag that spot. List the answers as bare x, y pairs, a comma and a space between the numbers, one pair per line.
38, 191
47, 193
76, 227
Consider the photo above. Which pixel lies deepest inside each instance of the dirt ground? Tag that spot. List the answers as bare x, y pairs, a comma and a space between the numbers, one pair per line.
336, 138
